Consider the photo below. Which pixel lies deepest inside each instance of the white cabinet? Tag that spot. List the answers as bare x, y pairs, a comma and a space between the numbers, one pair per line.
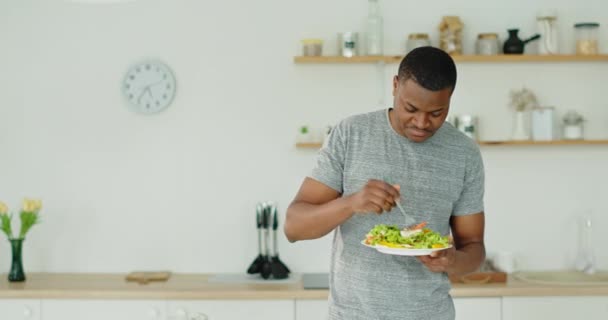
24, 309
477, 308
103, 310
466, 309
231, 310
311, 309
555, 308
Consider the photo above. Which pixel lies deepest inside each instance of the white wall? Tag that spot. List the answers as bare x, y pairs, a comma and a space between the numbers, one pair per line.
178, 190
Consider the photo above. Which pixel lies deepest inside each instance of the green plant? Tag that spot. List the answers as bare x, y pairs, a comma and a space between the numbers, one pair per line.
28, 215
304, 129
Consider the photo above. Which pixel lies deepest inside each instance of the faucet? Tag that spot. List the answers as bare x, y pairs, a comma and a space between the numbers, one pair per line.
585, 261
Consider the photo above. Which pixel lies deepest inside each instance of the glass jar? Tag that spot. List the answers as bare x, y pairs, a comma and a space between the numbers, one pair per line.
587, 38
416, 40
487, 44
312, 47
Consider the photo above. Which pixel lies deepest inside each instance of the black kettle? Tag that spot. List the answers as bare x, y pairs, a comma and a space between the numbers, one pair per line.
515, 45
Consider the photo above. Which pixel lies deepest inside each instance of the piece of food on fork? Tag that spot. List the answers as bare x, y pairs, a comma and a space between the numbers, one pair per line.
413, 230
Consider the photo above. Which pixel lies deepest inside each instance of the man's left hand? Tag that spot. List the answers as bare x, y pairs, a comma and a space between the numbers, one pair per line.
439, 261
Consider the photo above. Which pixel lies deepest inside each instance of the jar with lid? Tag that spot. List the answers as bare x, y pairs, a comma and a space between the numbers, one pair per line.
586, 38
415, 40
312, 47
487, 44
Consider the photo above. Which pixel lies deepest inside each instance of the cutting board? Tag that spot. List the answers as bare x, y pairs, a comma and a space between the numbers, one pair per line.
144, 277
480, 278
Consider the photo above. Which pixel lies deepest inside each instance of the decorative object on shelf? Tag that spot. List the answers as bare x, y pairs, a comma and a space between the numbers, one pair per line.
145, 277
586, 38
468, 125
375, 29
573, 126
487, 44
29, 217
543, 124
521, 101
546, 22
450, 35
515, 45
312, 47
304, 135
416, 40
348, 44
149, 87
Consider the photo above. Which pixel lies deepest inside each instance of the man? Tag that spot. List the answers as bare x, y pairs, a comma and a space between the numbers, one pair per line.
406, 153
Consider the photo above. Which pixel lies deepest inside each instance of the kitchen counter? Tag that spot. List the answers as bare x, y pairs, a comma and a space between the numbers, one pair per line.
197, 286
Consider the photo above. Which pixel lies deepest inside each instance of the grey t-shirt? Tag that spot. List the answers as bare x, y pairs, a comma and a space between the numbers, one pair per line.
439, 178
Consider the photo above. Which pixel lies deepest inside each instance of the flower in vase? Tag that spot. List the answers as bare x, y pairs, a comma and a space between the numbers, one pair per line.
29, 217
522, 100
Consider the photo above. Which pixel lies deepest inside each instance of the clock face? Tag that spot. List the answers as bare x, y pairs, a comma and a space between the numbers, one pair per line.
149, 87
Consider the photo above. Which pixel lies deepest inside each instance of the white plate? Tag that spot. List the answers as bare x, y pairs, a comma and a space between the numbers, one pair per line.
407, 252
403, 251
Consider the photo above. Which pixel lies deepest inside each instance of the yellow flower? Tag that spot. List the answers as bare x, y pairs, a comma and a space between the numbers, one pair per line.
30, 205
3, 208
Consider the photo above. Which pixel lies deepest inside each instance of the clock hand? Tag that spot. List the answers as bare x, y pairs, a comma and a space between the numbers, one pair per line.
141, 95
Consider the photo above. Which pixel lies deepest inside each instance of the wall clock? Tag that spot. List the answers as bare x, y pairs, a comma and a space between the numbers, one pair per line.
149, 86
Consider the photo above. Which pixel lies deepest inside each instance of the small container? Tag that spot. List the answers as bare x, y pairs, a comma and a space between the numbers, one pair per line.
468, 125
587, 38
312, 47
416, 40
573, 126
348, 44
487, 44
543, 124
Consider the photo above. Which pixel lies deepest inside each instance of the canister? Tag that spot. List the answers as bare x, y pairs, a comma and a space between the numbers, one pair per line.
543, 124
312, 47
348, 44
587, 38
487, 44
415, 40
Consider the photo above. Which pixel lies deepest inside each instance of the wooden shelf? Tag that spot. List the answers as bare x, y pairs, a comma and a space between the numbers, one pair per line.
500, 143
543, 143
458, 58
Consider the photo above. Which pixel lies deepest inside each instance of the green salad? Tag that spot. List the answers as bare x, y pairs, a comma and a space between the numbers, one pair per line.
417, 237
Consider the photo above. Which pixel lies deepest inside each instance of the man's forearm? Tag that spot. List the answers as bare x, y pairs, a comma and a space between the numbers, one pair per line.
468, 258
311, 221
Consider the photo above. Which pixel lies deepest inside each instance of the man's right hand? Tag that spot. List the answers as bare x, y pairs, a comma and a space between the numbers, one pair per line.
376, 196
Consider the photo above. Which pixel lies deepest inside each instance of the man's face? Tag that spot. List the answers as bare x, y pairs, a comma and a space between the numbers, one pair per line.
418, 112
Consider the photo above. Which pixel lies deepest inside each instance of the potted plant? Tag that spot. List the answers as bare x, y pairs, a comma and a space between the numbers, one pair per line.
29, 217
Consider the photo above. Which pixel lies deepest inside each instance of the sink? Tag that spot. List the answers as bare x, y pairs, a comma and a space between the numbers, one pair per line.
565, 277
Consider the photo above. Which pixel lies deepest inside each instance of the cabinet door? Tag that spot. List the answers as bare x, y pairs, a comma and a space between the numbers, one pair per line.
555, 308
25, 309
311, 309
231, 310
477, 308
103, 310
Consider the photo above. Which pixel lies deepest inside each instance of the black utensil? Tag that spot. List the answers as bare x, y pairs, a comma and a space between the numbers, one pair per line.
266, 266
279, 269
256, 265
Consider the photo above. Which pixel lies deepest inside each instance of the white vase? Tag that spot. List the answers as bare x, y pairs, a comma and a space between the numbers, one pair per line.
520, 127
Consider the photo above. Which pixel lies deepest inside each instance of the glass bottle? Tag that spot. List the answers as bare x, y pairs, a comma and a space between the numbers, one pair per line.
375, 29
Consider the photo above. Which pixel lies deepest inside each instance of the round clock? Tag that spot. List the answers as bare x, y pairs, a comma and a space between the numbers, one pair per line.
149, 87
